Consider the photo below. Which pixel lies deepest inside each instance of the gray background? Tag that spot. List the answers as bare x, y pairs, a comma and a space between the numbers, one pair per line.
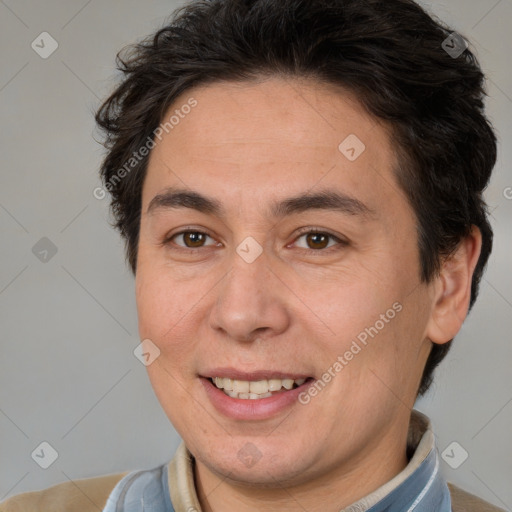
68, 326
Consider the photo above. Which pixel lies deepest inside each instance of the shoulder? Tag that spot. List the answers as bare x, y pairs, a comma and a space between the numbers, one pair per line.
88, 494
463, 501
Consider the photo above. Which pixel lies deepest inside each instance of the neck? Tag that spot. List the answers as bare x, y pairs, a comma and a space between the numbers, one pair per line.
334, 489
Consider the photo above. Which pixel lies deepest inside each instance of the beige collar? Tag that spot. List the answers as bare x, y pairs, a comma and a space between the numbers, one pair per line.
420, 442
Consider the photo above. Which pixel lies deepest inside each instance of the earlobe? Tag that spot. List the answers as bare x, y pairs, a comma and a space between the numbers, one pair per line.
453, 289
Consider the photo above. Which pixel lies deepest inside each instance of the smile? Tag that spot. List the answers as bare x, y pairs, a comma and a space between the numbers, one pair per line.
255, 390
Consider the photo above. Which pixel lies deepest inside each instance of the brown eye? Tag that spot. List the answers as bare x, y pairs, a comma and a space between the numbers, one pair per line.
189, 239
317, 240
193, 239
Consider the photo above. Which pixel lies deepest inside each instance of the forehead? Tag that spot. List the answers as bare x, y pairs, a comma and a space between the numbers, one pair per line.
274, 138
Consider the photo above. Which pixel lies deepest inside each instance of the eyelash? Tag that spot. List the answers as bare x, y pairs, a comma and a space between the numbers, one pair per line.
301, 232
316, 231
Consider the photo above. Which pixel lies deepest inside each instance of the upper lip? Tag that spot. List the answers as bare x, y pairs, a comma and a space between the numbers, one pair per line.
232, 373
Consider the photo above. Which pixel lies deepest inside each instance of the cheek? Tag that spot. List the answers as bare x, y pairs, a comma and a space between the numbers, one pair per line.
391, 360
171, 391
352, 306
170, 313
162, 304
154, 309
162, 317
377, 327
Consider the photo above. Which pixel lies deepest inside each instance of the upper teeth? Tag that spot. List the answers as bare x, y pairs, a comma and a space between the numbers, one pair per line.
241, 388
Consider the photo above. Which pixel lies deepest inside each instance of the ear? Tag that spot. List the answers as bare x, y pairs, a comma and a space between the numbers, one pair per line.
453, 289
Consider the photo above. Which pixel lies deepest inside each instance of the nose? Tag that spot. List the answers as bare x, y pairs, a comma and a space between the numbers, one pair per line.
251, 301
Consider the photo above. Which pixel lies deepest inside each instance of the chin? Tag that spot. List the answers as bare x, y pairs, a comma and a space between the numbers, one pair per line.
256, 461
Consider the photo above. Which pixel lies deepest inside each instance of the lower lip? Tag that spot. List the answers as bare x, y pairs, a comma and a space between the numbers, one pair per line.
252, 409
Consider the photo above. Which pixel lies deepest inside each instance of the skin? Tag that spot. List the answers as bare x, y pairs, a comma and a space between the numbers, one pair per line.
296, 308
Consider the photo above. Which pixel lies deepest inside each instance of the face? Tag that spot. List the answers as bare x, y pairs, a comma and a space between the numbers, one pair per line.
272, 257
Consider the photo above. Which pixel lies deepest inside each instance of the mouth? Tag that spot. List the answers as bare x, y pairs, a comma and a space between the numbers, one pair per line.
255, 396
257, 389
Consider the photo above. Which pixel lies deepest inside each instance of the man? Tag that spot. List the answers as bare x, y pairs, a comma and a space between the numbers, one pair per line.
299, 185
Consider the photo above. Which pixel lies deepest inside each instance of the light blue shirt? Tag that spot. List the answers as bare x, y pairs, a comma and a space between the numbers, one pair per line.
424, 490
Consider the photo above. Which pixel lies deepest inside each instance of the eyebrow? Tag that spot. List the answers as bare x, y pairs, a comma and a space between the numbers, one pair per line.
326, 199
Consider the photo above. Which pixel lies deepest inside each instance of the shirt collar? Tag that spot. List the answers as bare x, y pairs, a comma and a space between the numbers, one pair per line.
420, 445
